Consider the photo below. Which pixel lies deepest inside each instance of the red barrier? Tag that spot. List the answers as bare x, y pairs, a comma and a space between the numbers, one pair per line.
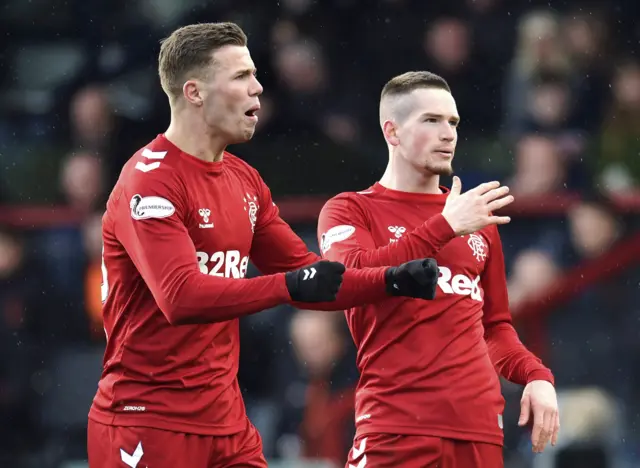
303, 209
624, 255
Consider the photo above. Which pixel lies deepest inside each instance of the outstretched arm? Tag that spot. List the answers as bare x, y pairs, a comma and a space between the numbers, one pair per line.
344, 237
276, 249
156, 239
510, 357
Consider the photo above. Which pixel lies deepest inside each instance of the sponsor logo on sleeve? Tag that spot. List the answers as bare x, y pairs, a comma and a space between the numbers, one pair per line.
150, 207
335, 234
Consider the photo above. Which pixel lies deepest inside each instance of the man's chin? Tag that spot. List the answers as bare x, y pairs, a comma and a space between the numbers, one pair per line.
242, 137
248, 134
441, 170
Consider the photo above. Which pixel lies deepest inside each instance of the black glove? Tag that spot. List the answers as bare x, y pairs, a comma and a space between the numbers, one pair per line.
318, 282
417, 278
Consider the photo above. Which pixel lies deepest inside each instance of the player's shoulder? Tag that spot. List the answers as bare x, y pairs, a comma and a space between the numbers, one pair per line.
350, 199
150, 180
153, 165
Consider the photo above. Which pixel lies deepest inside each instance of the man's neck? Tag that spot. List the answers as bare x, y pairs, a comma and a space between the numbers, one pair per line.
189, 132
408, 179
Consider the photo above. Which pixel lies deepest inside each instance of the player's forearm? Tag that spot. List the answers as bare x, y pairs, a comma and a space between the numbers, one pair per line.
511, 359
194, 297
359, 287
423, 242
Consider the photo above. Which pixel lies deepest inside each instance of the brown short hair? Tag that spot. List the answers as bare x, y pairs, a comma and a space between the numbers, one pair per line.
188, 51
410, 81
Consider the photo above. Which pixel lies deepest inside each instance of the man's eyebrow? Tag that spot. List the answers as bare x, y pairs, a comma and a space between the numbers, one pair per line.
247, 71
440, 116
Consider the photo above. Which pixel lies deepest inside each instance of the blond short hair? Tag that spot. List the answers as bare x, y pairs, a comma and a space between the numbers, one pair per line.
410, 81
188, 51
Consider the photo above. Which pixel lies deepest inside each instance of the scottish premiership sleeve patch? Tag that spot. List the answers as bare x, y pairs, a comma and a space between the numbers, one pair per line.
335, 234
150, 207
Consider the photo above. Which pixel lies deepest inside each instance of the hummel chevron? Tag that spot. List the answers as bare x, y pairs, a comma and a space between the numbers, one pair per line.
133, 459
309, 275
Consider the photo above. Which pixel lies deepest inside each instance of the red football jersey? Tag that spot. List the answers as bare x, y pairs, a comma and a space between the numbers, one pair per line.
178, 233
428, 367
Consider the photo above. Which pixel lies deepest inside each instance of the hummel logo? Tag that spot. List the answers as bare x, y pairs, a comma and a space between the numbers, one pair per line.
133, 459
309, 274
361, 464
359, 450
147, 167
205, 213
147, 153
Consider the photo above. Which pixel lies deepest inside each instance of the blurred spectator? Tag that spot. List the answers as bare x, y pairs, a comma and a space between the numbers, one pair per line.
304, 71
533, 272
539, 49
319, 403
590, 333
447, 43
82, 181
91, 120
584, 34
550, 110
96, 128
539, 167
17, 412
594, 227
549, 103
493, 35
620, 144
92, 239
448, 49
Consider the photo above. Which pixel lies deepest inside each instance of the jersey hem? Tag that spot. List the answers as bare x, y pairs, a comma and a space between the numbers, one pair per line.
167, 424
433, 431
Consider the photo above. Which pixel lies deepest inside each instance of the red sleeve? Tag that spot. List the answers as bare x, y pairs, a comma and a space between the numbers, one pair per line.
155, 237
276, 248
344, 236
509, 356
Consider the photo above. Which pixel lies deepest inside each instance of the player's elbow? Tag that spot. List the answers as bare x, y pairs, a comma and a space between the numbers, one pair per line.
173, 312
181, 301
178, 314
175, 299
194, 315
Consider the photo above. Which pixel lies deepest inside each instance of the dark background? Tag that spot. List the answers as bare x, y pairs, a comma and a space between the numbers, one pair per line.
549, 95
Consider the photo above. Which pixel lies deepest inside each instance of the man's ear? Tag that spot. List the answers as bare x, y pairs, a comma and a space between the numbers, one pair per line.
191, 92
390, 132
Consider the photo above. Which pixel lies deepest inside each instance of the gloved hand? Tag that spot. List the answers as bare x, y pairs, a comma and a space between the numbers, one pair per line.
417, 278
318, 282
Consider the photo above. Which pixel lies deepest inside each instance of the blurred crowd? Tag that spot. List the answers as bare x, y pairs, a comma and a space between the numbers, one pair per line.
549, 95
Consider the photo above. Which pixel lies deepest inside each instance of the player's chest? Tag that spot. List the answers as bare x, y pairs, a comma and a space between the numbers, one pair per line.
462, 255
221, 220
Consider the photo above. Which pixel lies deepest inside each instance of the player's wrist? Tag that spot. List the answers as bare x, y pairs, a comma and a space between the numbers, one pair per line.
541, 374
291, 281
389, 281
417, 279
318, 282
441, 228
451, 221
